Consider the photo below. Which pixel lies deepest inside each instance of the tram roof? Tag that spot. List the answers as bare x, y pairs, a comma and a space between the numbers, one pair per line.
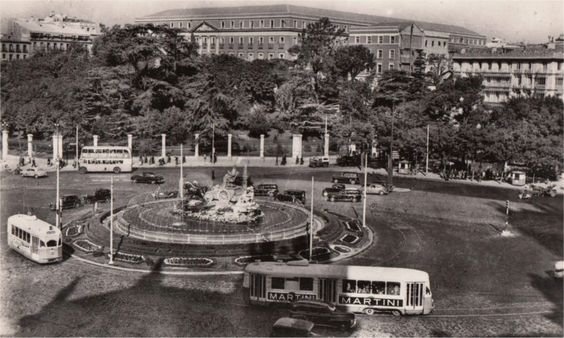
102, 146
335, 271
33, 225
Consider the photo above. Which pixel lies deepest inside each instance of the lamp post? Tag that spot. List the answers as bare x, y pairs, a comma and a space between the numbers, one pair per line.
111, 220
76, 149
390, 155
213, 144
57, 165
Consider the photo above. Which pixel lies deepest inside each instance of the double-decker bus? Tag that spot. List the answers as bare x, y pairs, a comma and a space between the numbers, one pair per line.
352, 288
105, 159
35, 239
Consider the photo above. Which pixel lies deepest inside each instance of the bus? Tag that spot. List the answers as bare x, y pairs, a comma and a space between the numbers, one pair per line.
35, 239
114, 159
361, 289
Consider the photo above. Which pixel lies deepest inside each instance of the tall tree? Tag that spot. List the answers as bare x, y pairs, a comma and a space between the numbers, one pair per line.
353, 60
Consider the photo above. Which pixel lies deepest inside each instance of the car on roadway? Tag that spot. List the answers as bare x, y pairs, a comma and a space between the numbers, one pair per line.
299, 195
335, 188
33, 172
346, 177
147, 177
315, 162
376, 189
68, 202
160, 195
559, 269
292, 327
266, 190
100, 195
347, 195
322, 314
349, 161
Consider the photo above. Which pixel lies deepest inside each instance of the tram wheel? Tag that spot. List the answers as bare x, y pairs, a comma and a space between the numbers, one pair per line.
117, 170
369, 311
396, 313
83, 170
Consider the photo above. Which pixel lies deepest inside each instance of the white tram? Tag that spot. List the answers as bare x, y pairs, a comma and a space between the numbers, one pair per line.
35, 239
352, 288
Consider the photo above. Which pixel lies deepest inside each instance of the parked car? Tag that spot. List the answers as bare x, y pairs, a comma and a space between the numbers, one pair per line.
321, 313
349, 161
67, 202
299, 195
266, 190
346, 177
318, 162
377, 189
347, 195
283, 197
335, 188
558, 269
100, 195
33, 172
292, 327
159, 195
147, 177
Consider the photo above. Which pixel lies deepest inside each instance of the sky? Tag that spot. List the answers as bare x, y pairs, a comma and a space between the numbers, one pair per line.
513, 20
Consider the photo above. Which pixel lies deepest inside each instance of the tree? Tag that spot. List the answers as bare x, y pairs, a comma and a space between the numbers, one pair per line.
353, 60
439, 68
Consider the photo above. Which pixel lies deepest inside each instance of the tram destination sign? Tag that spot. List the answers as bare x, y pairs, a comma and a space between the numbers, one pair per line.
346, 300
288, 297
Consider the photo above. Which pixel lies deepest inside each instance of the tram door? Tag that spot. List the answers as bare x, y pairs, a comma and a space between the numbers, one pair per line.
257, 286
34, 244
328, 290
414, 296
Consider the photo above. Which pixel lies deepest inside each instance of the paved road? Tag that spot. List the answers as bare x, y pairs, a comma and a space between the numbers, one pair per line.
483, 284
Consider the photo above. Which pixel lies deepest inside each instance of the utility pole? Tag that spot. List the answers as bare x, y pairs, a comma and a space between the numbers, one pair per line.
213, 144
311, 223
365, 184
390, 155
427, 157
76, 154
111, 220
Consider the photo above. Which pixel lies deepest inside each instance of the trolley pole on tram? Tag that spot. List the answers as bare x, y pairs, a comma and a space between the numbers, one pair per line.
311, 223
365, 184
111, 220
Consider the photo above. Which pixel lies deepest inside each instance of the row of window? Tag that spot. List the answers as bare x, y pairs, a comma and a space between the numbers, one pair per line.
379, 68
379, 39
305, 284
103, 161
391, 54
13, 57
249, 40
439, 43
506, 66
105, 151
21, 234
9, 47
371, 287
242, 24
478, 42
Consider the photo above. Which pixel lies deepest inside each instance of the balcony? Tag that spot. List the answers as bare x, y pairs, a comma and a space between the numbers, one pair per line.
240, 46
260, 46
221, 46
270, 46
281, 46
230, 46
250, 46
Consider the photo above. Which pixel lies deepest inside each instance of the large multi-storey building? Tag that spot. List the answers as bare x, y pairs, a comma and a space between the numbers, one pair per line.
534, 70
267, 32
25, 36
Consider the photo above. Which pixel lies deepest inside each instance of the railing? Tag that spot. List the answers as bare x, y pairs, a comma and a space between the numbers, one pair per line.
260, 46
281, 46
221, 46
230, 46
270, 46
240, 46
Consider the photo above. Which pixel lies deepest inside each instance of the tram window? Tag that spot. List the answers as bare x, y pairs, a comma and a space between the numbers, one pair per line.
306, 284
41, 243
427, 291
363, 286
59, 241
13, 230
393, 288
349, 285
277, 283
51, 243
379, 288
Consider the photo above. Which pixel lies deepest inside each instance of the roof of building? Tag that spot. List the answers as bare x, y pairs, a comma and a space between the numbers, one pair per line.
523, 52
51, 28
300, 10
434, 27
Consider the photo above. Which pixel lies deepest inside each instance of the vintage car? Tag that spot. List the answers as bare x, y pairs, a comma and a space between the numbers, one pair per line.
100, 195
33, 172
335, 188
160, 195
318, 162
266, 190
322, 314
147, 177
67, 202
347, 195
376, 189
292, 327
349, 161
299, 195
346, 177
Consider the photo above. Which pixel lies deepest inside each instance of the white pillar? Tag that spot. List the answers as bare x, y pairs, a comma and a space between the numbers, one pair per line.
60, 143
229, 137
326, 146
296, 146
95, 142
130, 143
55, 147
163, 145
197, 146
30, 146
5, 144
261, 145
352, 147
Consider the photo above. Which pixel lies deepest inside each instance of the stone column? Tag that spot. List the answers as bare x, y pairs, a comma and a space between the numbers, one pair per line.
261, 145
229, 137
163, 145
197, 146
60, 143
296, 146
4, 144
95, 142
352, 148
30, 146
130, 143
209, 44
217, 44
326, 146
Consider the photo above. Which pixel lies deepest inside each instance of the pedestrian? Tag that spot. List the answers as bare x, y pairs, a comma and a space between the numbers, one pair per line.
283, 161
140, 159
168, 159
33, 163
297, 160
48, 161
183, 159
176, 160
213, 175
152, 159
214, 158
302, 160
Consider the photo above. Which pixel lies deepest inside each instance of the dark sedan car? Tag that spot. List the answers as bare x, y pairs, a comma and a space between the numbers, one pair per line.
147, 177
100, 195
68, 202
299, 195
346, 177
335, 188
321, 313
347, 195
266, 190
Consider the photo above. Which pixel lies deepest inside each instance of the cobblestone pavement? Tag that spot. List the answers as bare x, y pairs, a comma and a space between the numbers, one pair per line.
483, 284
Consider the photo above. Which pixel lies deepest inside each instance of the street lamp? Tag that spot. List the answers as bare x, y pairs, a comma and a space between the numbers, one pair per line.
57, 165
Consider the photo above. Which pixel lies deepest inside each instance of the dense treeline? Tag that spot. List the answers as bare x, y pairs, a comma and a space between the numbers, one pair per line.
149, 80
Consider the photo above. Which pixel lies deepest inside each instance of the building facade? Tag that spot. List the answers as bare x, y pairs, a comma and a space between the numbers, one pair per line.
267, 32
54, 32
528, 70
